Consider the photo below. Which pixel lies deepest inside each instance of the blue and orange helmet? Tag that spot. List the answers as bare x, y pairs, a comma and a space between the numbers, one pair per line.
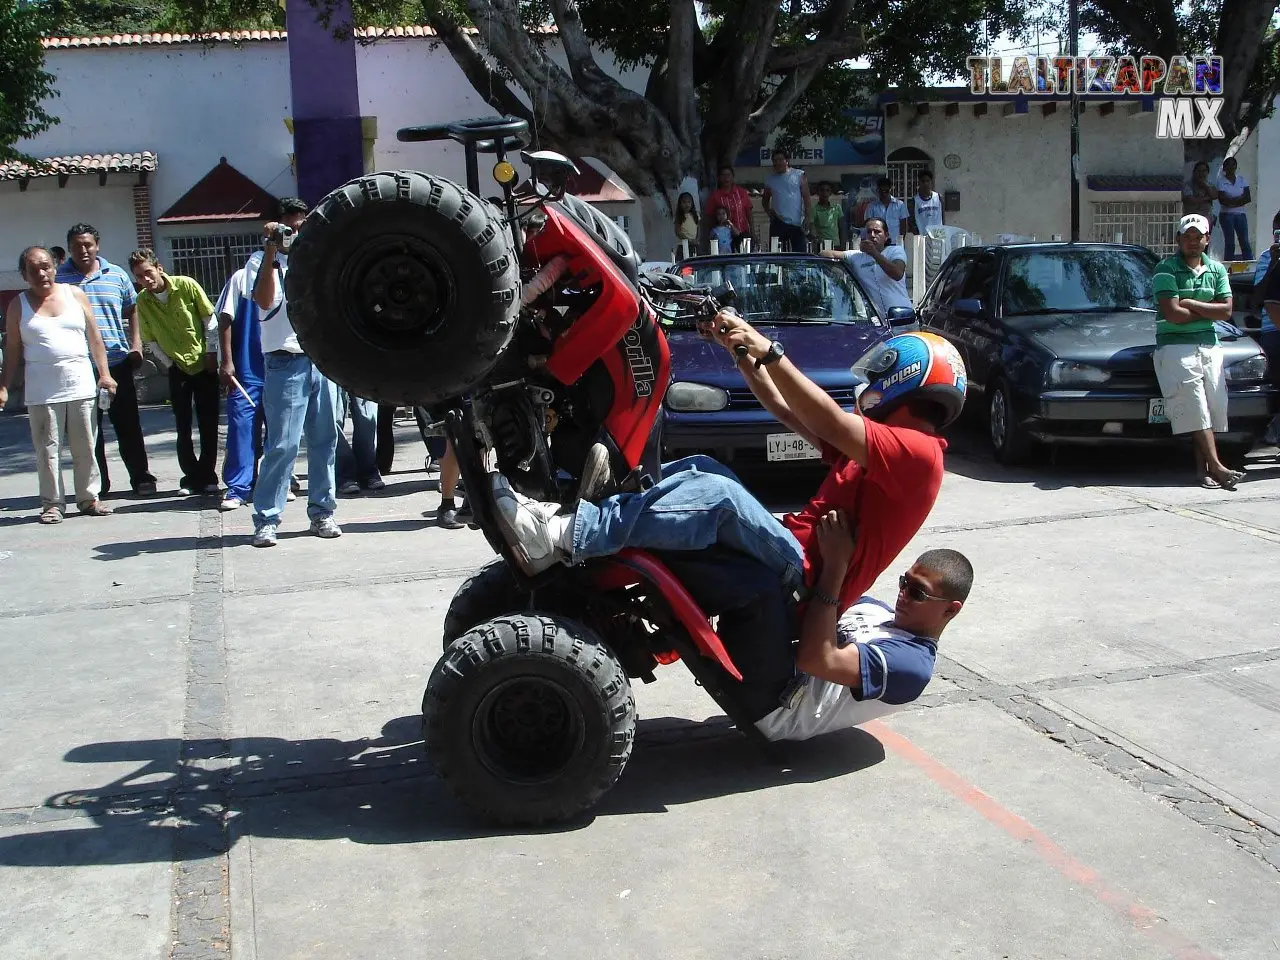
912, 366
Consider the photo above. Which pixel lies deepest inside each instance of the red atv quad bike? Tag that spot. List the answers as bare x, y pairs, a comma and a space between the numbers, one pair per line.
523, 324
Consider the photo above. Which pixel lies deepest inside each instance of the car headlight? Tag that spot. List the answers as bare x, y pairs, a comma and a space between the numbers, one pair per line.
1067, 372
1255, 368
696, 398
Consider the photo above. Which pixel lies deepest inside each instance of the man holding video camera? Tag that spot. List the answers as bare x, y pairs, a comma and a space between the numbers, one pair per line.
296, 397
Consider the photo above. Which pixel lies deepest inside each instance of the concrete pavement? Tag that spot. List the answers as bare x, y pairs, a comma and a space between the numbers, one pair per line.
212, 750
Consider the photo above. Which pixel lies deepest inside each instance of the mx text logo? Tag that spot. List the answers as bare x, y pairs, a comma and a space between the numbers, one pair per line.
1176, 120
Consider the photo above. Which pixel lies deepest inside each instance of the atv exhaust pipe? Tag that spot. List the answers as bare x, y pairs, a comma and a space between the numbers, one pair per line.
545, 279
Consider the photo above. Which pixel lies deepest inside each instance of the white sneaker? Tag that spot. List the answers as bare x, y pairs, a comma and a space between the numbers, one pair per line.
290, 497
527, 526
265, 535
230, 503
326, 528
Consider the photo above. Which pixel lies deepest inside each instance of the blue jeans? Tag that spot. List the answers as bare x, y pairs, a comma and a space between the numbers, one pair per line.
244, 439
357, 460
1235, 223
297, 400
698, 504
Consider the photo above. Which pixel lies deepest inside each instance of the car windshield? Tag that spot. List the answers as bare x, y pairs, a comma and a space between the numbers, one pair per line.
785, 290
1077, 281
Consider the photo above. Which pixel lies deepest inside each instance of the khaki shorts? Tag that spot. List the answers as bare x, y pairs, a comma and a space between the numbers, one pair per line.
1194, 386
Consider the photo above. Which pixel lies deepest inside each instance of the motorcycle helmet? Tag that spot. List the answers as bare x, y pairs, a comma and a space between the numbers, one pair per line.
911, 366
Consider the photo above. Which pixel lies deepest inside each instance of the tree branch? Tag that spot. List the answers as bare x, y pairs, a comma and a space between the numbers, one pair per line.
795, 81
678, 93
484, 79
577, 48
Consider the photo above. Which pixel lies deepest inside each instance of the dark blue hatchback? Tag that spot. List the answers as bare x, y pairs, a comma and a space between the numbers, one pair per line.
813, 305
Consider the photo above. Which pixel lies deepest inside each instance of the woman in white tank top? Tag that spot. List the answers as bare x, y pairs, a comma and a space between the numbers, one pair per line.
50, 326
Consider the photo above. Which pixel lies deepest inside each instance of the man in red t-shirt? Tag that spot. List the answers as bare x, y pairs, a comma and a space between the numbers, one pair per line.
886, 470
733, 198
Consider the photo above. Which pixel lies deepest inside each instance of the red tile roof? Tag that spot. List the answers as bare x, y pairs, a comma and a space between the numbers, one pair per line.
228, 36
222, 194
89, 163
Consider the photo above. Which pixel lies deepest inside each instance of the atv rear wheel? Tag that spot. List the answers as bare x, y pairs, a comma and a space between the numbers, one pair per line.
529, 719
404, 288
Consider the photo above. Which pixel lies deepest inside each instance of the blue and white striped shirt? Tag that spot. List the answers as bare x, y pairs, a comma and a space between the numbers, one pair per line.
110, 292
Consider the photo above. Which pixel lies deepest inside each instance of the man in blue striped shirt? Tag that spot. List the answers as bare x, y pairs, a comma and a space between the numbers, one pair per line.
109, 289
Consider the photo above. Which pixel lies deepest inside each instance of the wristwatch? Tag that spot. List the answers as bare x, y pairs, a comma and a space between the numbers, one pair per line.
773, 356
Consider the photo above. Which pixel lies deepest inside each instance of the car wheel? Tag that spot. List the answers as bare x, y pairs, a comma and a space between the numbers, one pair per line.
404, 288
1010, 443
529, 719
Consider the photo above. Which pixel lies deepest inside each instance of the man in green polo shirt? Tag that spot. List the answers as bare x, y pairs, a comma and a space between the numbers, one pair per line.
177, 323
1192, 291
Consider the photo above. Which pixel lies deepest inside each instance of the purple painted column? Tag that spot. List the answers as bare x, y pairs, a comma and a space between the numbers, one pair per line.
327, 141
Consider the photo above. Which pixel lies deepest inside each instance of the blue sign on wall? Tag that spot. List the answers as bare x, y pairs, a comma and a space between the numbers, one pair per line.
865, 146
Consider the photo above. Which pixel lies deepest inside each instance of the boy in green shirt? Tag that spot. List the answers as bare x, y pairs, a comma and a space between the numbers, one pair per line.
826, 218
177, 323
1192, 291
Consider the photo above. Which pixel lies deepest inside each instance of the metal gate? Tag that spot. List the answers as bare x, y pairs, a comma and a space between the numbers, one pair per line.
1151, 223
211, 260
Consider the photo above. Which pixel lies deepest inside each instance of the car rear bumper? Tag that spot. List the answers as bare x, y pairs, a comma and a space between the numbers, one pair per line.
1089, 418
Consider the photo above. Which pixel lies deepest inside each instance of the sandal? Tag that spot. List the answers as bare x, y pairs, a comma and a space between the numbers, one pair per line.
1208, 483
50, 515
1229, 481
94, 508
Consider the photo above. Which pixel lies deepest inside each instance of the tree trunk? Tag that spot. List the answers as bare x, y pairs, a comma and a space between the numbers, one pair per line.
659, 227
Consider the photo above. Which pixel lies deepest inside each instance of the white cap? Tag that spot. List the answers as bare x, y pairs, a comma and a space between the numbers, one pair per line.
1193, 220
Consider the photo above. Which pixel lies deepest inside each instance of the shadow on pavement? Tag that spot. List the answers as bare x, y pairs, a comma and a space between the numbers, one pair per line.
372, 791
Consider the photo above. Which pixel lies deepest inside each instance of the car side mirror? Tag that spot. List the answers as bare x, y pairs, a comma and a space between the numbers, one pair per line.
968, 307
901, 317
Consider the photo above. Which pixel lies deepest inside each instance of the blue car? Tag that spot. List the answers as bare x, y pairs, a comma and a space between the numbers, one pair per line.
813, 305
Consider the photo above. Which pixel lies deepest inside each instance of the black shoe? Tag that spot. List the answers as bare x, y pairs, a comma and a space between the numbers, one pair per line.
447, 517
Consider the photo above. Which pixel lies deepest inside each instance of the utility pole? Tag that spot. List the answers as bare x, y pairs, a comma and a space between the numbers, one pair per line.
1074, 28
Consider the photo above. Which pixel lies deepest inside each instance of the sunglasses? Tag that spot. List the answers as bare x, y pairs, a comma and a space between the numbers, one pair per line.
915, 592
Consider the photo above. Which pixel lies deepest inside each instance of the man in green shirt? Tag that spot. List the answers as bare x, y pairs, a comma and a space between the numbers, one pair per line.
826, 218
177, 324
1192, 291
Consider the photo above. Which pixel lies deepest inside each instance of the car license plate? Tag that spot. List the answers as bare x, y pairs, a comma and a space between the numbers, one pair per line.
1155, 411
791, 446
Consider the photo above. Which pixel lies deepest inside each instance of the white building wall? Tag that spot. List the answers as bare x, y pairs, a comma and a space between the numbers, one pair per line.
1266, 183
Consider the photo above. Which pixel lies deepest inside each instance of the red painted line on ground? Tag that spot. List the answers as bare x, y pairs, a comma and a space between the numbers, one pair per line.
1141, 918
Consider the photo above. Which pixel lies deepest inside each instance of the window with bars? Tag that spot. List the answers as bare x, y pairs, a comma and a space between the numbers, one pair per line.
904, 174
1151, 223
212, 260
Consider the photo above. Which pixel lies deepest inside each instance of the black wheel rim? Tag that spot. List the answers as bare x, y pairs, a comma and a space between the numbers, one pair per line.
999, 419
399, 289
527, 730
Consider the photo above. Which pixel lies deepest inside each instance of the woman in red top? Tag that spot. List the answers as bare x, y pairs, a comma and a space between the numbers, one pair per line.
733, 198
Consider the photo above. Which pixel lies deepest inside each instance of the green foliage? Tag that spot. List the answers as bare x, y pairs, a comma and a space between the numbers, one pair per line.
88, 18
24, 83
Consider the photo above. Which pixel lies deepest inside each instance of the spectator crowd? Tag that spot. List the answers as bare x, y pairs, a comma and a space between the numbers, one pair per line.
82, 329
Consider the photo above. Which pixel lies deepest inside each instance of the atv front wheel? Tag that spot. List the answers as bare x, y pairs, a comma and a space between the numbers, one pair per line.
529, 719
404, 288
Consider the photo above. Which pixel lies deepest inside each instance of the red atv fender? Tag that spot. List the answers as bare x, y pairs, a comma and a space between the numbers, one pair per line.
619, 329
632, 566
